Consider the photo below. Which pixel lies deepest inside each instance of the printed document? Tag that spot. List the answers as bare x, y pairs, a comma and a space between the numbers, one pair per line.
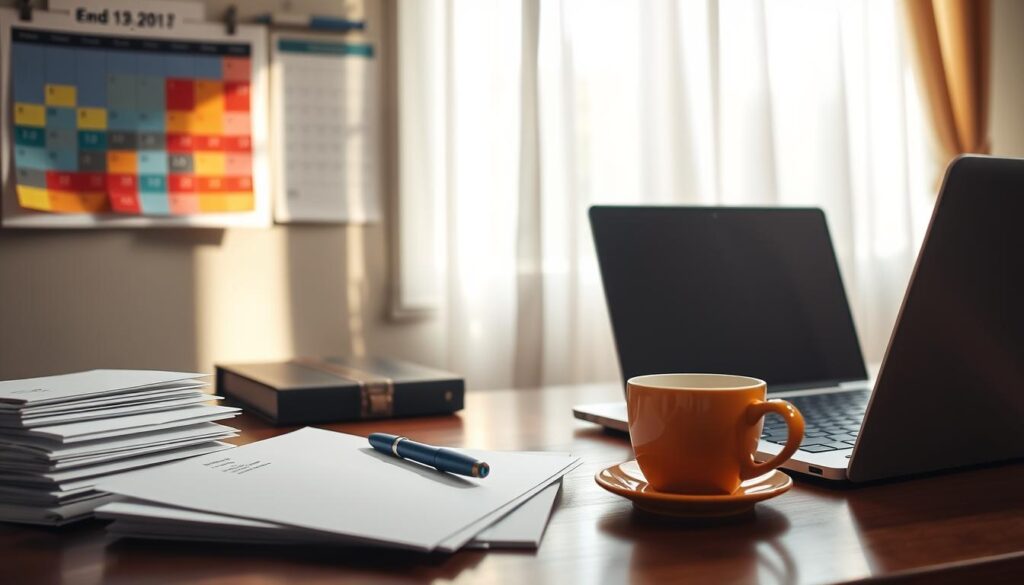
336, 484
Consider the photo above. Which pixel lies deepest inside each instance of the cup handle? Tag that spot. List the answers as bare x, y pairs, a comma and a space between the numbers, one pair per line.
795, 423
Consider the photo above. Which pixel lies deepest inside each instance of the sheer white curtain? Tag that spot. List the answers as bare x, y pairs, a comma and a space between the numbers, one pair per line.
536, 110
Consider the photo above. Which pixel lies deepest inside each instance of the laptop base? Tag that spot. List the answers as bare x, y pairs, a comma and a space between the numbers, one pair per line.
830, 465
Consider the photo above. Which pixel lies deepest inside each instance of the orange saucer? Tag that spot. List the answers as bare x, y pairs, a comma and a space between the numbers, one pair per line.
628, 481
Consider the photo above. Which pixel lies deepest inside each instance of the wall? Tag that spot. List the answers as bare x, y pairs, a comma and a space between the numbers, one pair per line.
1007, 103
183, 299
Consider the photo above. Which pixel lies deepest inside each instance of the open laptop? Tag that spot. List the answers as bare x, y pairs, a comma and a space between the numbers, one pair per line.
757, 292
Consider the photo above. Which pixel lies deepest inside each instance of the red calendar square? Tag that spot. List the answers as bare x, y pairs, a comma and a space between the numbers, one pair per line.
180, 95
236, 96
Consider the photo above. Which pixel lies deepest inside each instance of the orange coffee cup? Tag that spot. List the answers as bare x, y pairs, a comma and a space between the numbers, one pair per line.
697, 433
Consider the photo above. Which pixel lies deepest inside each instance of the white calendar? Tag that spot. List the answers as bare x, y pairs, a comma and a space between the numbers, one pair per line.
326, 129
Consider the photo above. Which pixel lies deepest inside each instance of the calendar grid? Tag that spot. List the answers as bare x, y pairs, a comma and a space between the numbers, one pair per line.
133, 126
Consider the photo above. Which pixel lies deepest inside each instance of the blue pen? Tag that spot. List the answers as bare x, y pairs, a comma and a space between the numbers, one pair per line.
437, 457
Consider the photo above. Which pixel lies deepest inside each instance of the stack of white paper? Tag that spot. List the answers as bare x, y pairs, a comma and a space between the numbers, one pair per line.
320, 487
59, 435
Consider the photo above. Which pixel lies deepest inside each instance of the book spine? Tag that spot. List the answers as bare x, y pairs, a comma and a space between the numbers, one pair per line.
344, 402
348, 403
319, 405
425, 398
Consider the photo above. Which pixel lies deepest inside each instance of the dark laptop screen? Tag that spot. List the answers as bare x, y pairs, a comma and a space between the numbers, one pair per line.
726, 290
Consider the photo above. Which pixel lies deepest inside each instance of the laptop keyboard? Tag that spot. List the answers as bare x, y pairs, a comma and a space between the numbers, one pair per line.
832, 421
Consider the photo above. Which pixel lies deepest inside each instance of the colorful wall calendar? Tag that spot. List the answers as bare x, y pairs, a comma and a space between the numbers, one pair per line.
130, 126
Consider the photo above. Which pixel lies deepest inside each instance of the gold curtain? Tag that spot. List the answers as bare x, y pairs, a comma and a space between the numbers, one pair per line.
952, 42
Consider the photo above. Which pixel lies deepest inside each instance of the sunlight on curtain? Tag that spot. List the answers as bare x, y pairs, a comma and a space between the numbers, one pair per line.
483, 189
800, 102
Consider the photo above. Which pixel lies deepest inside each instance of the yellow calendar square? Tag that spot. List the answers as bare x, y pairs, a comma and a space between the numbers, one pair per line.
177, 122
211, 202
238, 201
92, 119
225, 202
122, 162
209, 164
61, 95
33, 198
206, 123
75, 202
30, 115
209, 96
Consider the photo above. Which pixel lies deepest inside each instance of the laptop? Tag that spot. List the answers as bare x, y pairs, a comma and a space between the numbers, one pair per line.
758, 292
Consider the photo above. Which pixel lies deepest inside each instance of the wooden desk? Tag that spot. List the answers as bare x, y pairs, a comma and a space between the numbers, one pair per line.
957, 525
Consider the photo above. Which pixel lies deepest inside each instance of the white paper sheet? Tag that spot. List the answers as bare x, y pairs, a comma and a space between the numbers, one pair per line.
72, 485
50, 452
43, 500
336, 484
37, 497
23, 466
52, 515
106, 413
459, 539
123, 425
146, 531
51, 389
522, 528
140, 397
56, 477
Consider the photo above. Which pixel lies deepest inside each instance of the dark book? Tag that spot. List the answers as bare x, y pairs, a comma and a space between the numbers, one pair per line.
335, 389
